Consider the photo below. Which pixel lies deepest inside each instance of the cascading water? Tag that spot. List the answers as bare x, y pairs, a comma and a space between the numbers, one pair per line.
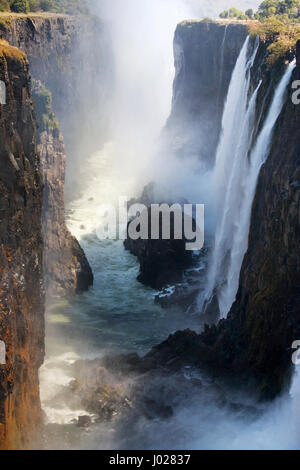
222, 62
235, 177
230, 164
258, 156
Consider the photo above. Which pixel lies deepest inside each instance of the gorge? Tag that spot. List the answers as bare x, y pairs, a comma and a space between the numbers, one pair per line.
230, 141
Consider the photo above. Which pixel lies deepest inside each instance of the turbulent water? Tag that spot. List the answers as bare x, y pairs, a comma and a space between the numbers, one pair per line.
118, 315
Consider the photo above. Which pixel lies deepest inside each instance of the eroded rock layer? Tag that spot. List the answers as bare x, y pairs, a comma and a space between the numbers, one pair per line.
21, 248
66, 268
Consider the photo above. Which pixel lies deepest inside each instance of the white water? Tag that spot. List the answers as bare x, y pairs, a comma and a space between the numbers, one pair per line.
235, 177
118, 314
257, 159
231, 162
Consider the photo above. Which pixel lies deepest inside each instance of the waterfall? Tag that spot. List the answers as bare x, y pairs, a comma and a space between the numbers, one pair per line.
222, 63
230, 161
236, 176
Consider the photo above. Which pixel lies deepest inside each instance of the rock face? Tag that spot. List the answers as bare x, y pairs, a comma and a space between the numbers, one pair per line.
205, 56
62, 55
253, 346
162, 262
51, 44
21, 248
66, 269
57, 47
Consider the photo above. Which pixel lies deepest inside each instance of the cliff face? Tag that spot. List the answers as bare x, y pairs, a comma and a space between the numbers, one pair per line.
66, 269
253, 346
57, 47
21, 247
62, 55
205, 56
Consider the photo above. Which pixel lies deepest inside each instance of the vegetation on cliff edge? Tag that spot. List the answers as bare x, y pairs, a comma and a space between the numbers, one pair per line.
56, 6
280, 36
277, 23
43, 106
10, 52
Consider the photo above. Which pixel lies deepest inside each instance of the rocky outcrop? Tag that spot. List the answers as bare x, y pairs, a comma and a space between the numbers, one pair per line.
66, 269
128, 392
21, 248
162, 262
205, 56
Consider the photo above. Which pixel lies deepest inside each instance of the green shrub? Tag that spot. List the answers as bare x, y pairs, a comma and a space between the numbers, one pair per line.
46, 5
43, 107
281, 36
58, 6
233, 13
4, 5
34, 5
269, 8
19, 6
224, 14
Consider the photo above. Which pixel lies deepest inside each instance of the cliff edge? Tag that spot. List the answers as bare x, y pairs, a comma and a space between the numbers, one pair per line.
21, 250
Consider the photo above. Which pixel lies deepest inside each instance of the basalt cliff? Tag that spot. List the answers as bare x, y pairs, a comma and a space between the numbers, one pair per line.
56, 46
38, 253
21, 248
205, 54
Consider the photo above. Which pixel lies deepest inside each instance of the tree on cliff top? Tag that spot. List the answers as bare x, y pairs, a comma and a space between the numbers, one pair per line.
57, 6
289, 9
249, 13
281, 36
233, 13
19, 6
4, 5
269, 8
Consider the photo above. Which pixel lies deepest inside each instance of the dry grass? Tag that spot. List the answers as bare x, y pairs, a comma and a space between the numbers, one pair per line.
10, 52
220, 21
38, 14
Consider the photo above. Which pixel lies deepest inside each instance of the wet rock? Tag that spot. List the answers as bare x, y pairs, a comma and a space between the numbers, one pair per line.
205, 56
21, 254
162, 262
84, 421
66, 268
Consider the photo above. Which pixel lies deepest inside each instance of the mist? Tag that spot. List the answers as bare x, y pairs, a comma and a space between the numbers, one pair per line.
142, 34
